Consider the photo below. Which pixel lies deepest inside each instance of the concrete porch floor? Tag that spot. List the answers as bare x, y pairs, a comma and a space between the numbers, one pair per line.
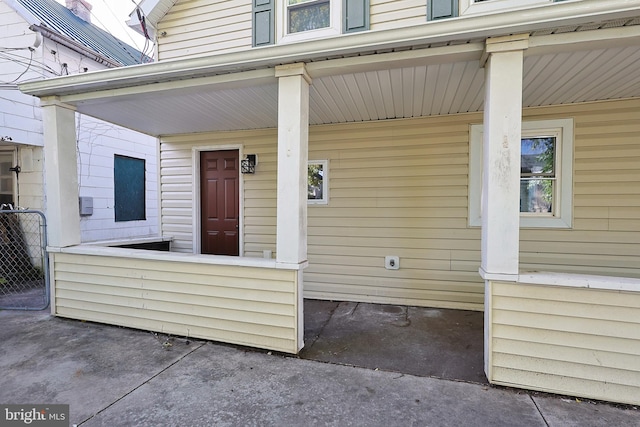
426, 342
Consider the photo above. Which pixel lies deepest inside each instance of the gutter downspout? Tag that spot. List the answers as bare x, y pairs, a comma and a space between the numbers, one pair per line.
75, 46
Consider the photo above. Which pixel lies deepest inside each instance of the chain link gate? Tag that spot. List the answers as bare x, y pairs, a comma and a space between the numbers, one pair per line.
24, 272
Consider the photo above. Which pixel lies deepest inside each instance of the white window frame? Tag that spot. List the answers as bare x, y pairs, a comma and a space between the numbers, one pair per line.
325, 182
282, 24
469, 7
561, 217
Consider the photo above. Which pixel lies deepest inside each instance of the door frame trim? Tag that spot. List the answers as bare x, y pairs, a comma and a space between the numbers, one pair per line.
196, 217
15, 152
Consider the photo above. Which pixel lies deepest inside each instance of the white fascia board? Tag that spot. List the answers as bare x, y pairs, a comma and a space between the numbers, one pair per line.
457, 29
153, 11
584, 40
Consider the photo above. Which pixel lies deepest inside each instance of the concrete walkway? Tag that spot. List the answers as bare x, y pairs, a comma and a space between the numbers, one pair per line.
115, 376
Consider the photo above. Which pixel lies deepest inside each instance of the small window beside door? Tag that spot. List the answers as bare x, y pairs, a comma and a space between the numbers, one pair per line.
318, 182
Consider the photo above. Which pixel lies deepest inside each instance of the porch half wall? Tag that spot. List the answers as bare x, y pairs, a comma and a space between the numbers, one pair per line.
178, 294
566, 340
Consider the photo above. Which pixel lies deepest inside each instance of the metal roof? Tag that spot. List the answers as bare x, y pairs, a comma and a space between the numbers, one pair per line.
58, 18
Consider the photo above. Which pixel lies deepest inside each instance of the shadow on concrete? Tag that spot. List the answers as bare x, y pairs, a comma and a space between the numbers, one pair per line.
420, 341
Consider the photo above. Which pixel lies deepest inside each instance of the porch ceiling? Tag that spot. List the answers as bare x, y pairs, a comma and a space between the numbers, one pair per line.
421, 90
559, 68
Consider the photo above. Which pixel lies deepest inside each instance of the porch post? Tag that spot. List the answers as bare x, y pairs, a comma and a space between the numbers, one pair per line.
61, 173
500, 242
293, 142
293, 153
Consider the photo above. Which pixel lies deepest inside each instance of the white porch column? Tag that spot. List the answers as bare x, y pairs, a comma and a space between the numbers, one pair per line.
61, 173
293, 143
501, 157
501, 171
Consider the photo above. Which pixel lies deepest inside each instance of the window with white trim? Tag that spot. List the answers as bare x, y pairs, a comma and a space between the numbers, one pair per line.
307, 15
546, 174
307, 19
285, 21
318, 182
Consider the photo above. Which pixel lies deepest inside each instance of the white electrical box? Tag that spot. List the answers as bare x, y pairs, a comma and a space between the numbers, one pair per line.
86, 206
392, 262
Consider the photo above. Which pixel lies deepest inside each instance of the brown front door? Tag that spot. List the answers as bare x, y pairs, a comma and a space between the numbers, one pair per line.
219, 196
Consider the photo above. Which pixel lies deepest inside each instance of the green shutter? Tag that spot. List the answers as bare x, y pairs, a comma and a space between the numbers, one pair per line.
263, 22
441, 9
356, 15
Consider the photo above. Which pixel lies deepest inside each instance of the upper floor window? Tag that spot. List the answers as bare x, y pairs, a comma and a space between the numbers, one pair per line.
306, 19
284, 21
306, 15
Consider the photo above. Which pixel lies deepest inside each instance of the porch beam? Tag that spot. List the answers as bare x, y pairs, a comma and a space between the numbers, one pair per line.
501, 157
293, 153
61, 173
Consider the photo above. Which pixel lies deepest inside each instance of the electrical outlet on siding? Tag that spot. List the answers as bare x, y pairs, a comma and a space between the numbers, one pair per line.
392, 262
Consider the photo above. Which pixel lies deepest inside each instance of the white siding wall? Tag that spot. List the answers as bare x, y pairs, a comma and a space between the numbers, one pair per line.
388, 14
98, 143
575, 341
201, 27
173, 294
19, 115
606, 195
20, 118
399, 187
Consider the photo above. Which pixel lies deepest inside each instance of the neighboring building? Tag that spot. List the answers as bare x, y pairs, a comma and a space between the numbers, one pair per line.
396, 108
40, 39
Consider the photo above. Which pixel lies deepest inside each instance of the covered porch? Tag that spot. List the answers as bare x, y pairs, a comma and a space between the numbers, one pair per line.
563, 332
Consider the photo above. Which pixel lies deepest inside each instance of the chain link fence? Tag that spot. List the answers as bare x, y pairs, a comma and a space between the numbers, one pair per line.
24, 276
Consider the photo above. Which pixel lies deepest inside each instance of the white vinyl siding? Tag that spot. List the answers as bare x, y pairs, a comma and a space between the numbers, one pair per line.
98, 141
575, 341
393, 191
399, 187
388, 14
202, 27
606, 195
396, 188
259, 212
241, 305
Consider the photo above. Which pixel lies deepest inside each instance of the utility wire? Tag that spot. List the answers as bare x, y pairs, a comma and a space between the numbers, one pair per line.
121, 23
